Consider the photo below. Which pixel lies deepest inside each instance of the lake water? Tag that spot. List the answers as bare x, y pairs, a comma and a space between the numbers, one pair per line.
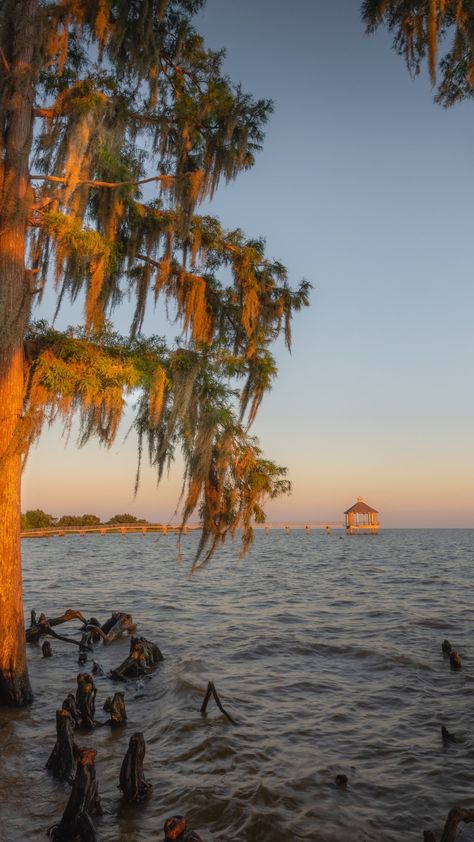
326, 650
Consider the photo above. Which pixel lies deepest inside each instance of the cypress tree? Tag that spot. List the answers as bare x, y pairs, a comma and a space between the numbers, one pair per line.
116, 124
421, 28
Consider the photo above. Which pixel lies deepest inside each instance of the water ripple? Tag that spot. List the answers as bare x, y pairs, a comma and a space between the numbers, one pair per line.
326, 652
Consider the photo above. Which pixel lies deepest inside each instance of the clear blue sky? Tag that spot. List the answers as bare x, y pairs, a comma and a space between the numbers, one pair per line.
363, 187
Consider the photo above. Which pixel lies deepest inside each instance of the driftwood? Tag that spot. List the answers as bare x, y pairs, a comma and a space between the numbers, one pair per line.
211, 691
85, 699
46, 649
177, 828
455, 816
43, 626
62, 760
116, 707
132, 782
83, 803
143, 656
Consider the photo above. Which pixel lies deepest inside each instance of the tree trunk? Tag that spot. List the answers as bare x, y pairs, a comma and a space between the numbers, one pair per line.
16, 120
15, 688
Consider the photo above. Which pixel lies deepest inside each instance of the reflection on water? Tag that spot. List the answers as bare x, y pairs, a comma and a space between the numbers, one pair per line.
325, 649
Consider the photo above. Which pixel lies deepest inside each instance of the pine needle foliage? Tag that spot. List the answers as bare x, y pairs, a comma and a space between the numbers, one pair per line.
421, 28
134, 126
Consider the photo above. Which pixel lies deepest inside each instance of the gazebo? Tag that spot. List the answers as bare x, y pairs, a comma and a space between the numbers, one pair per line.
361, 518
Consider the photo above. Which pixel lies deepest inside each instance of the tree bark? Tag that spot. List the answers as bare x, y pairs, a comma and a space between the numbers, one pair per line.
15, 687
62, 760
132, 781
16, 120
83, 803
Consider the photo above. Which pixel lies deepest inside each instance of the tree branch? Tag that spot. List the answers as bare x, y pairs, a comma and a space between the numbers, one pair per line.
57, 179
156, 265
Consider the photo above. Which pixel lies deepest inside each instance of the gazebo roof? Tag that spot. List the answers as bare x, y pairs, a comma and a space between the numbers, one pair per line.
360, 508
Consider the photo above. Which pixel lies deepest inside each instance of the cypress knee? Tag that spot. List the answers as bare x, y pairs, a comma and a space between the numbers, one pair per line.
85, 699
83, 803
62, 760
132, 781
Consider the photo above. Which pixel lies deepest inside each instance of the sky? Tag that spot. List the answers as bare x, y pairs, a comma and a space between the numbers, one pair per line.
364, 187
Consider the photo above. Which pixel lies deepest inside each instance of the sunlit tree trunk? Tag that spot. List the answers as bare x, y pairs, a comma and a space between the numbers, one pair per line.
14, 684
15, 297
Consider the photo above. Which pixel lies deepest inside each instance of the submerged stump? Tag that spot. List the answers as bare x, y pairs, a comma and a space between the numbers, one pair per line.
83, 803
85, 699
62, 760
455, 660
70, 705
446, 735
94, 628
85, 646
143, 656
97, 669
176, 827
116, 707
446, 648
132, 781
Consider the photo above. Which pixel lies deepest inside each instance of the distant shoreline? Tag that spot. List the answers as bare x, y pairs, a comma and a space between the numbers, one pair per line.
160, 528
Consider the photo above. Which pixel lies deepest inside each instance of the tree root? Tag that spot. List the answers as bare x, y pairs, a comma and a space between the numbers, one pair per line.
211, 691
92, 631
43, 625
132, 781
115, 626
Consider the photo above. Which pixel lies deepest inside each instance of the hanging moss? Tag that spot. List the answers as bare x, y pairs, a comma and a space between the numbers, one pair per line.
420, 28
136, 126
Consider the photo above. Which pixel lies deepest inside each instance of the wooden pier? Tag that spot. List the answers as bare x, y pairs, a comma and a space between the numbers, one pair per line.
144, 528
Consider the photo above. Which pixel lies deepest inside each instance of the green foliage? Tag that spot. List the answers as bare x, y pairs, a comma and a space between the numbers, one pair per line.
420, 28
37, 519
125, 519
127, 94
78, 520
